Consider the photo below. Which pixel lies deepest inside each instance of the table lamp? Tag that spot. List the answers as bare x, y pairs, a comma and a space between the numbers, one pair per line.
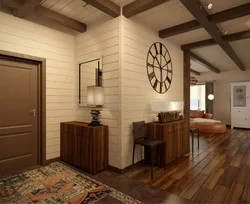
95, 99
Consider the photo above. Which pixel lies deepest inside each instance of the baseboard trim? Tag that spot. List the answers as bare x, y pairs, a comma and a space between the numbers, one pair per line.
126, 169
49, 161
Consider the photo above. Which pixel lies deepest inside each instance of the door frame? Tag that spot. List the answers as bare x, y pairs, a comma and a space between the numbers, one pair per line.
41, 62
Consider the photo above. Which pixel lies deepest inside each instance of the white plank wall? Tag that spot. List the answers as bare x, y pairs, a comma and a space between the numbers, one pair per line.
136, 89
103, 40
17, 35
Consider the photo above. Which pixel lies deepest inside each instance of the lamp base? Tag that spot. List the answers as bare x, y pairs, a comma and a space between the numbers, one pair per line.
95, 118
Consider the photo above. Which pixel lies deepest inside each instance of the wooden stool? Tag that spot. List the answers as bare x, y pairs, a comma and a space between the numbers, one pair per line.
193, 130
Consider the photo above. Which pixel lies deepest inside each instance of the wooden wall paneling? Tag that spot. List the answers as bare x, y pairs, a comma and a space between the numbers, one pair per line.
21, 36
103, 40
137, 91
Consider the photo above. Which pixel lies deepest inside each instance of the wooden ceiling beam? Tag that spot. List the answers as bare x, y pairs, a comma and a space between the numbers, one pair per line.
230, 14
228, 38
43, 14
195, 72
105, 6
237, 36
138, 6
204, 63
220, 17
199, 12
27, 6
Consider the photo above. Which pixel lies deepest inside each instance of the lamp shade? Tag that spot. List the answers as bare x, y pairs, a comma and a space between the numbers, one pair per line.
210, 97
95, 96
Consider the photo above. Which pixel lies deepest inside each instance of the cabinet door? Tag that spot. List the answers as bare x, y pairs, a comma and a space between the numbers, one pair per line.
239, 95
240, 118
83, 147
248, 95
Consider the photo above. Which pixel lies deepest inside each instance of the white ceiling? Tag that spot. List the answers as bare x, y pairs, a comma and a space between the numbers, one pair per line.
198, 67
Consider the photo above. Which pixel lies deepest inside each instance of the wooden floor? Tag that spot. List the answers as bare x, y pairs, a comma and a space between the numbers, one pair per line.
219, 172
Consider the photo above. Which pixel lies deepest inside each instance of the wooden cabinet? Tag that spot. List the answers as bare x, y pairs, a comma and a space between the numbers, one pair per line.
85, 146
176, 136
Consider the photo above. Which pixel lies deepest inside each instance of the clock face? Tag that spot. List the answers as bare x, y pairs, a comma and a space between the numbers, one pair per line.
159, 67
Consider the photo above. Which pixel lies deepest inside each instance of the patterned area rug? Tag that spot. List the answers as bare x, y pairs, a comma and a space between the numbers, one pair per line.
56, 183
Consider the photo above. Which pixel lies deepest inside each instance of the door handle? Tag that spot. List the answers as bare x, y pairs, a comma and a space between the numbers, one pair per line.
33, 112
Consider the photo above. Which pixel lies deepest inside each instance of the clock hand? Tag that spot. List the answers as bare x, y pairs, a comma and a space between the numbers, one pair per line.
167, 63
158, 62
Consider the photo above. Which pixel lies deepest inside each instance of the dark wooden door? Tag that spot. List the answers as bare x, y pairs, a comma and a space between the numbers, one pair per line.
19, 144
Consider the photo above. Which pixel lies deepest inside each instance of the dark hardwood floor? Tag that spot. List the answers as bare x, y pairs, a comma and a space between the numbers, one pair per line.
219, 172
134, 188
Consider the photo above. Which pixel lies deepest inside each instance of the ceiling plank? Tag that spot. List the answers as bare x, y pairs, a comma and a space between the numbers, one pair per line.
139, 6
229, 38
199, 12
219, 17
46, 15
106, 6
195, 72
27, 6
204, 63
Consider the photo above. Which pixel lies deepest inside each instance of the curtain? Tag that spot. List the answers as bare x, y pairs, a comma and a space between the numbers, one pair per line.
209, 103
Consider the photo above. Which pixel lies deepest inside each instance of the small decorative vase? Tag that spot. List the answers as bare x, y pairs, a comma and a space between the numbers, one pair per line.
95, 118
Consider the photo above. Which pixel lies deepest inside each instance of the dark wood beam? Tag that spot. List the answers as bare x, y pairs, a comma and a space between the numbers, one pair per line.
229, 38
139, 6
222, 16
195, 72
43, 14
182, 28
237, 36
199, 12
186, 84
60, 19
105, 6
204, 63
27, 6
230, 14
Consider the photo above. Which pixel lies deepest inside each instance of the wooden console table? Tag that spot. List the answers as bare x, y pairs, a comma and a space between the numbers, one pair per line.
176, 136
85, 146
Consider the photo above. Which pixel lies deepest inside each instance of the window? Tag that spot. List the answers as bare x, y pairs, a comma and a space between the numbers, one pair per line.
198, 97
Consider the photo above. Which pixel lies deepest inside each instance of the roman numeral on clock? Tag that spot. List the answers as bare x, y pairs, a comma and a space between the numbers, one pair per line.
169, 81
150, 65
151, 75
156, 50
155, 84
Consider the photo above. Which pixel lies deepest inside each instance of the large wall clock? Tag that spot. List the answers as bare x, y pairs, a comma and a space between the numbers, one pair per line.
159, 67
